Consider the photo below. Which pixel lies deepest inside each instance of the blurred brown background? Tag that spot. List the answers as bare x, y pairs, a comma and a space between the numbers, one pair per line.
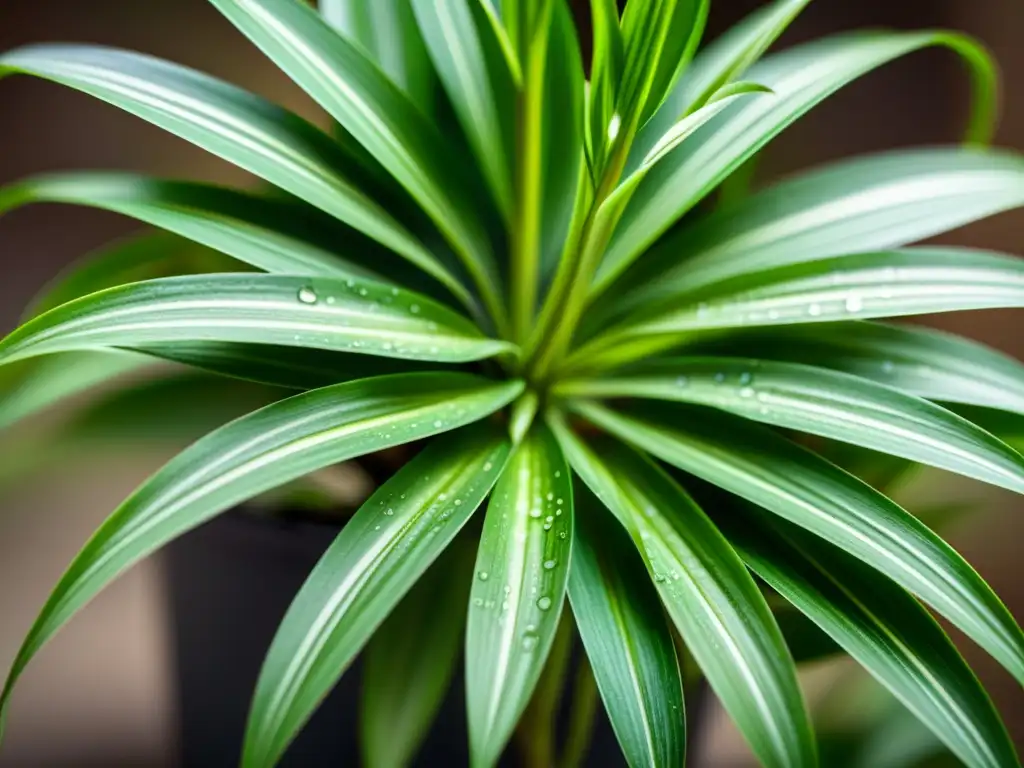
102, 692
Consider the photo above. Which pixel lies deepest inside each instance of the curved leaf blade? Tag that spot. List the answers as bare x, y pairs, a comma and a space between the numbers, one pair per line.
375, 560
256, 453
883, 628
237, 126
410, 660
522, 567
864, 204
712, 600
321, 313
820, 402
794, 483
627, 640
356, 93
921, 361
800, 78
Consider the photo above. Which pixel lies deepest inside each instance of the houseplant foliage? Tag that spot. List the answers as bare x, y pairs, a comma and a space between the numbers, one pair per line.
493, 255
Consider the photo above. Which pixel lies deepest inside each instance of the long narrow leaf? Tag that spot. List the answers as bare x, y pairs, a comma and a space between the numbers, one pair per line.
883, 628
518, 592
627, 639
241, 128
376, 559
716, 606
820, 402
322, 313
256, 453
800, 78
354, 91
864, 204
770, 471
920, 361
684, 34
410, 660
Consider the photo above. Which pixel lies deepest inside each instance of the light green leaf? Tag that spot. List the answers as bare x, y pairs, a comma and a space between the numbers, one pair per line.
272, 234
720, 614
627, 640
518, 591
883, 628
256, 453
820, 402
768, 470
322, 313
469, 60
356, 93
237, 126
864, 204
727, 58
911, 281
800, 78
606, 66
34, 385
920, 361
378, 556
409, 661
387, 30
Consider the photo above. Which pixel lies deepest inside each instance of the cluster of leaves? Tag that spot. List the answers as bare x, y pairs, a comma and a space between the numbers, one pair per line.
521, 310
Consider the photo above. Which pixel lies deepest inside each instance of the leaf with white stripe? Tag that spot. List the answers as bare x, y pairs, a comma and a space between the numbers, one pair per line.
882, 627
627, 639
921, 361
800, 78
718, 610
820, 402
521, 570
233, 124
257, 453
354, 91
468, 58
794, 483
322, 313
378, 556
868, 203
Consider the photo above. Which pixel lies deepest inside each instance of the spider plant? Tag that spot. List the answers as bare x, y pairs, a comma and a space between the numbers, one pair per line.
492, 252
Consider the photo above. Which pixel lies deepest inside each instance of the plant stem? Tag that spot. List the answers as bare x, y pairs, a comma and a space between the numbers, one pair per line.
581, 719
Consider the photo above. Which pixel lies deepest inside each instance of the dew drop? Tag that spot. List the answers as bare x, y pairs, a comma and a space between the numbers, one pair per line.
307, 295
330, 299
363, 291
814, 310
488, 467
483, 575
660, 578
888, 367
559, 502
458, 502
746, 378
854, 304
389, 511
550, 564
682, 381
414, 308
530, 640
719, 378
535, 512
562, 535
747, 392
558, 473
438, 424
394, 291
478, 602
544, 603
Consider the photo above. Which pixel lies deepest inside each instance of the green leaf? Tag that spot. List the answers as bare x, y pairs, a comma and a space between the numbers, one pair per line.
468, 58
256, 453
720, 614
726, 59
768, 470
409, 662
684, 33
387, 30
518, 592
272, 234
34, 385
911, 281
864, 204
920, 361
801, 78
322, 313
606, 66
883, 628
356, 93
379, 555
237, 126
627, 640
820, 402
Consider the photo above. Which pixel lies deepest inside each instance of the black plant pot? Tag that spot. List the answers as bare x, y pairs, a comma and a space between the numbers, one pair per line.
230, 583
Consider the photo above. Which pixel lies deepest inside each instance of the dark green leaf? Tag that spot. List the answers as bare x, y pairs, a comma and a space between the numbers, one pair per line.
518, 592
